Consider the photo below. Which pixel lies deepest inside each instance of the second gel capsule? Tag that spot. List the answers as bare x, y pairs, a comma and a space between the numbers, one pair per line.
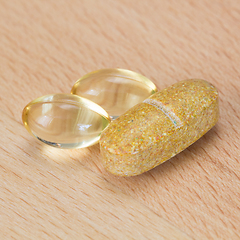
115, 90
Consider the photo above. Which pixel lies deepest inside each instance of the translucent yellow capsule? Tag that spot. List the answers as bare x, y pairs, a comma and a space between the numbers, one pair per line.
115, 90
65, 120
157, 129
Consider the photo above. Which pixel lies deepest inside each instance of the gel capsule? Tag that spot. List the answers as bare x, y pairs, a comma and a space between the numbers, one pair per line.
65, 120
115, 90
159, 128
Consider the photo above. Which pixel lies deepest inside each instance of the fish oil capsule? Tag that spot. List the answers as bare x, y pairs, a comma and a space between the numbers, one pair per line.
65, 120
115, 90
162, 126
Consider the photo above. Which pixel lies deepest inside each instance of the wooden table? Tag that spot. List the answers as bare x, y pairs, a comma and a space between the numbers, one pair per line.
48, 193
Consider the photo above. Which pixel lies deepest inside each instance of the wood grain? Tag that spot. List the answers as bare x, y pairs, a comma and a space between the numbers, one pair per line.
46, 194
54, 194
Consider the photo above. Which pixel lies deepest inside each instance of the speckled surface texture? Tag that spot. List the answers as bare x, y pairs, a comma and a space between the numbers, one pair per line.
159, 128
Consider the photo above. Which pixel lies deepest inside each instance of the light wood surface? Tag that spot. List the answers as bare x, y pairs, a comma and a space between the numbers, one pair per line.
47, 193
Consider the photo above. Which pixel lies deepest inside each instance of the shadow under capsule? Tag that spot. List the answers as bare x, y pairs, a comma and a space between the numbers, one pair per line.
42, 152
91, 158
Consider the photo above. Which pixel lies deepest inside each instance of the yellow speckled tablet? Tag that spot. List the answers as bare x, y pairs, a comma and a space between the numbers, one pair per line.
159, 128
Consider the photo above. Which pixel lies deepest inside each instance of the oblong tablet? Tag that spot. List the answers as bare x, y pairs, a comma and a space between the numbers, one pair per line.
115, 90
157, 129
65, 120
